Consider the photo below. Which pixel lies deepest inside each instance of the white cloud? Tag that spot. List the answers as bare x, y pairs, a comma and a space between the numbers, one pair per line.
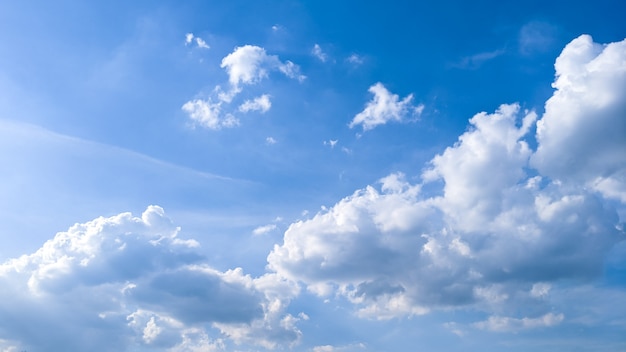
262, 104
318, 53
246, 65
189, 38
202, 44
250, 64
499, 235
355, 59
125, 282
582, 135
208, 114
331, 142
384, 107
261, 230
270, 141
505, 324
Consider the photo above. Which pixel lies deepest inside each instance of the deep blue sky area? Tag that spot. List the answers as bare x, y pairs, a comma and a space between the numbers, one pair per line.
312, 176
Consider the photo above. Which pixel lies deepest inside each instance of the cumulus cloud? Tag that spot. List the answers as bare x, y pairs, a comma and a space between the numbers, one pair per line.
385, 107
127, 281
249, 64
206, 113
261, 104
508, 223
246, 65
583, 131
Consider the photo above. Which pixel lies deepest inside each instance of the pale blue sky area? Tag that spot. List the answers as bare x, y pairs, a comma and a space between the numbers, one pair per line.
312, 176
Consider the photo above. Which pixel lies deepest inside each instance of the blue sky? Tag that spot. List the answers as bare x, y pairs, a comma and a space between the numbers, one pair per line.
312, 176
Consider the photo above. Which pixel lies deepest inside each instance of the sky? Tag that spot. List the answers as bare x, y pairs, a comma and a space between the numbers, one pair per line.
312, 176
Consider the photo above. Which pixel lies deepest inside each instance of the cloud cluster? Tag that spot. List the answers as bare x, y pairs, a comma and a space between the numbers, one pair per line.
385, 107
131, 281
499, 222
246, 65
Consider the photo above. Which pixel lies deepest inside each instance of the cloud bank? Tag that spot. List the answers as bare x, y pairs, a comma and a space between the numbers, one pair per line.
500, 222
129, 281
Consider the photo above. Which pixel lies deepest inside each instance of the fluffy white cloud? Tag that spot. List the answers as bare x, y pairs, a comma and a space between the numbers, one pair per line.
208, 114
582, 135
129, 281
249, 64
499, 235
262, 104
246, 65
385, 107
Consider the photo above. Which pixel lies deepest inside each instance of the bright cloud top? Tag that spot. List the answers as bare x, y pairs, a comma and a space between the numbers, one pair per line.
385, 107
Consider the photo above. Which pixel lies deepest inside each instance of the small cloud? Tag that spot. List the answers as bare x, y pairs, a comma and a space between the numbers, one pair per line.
355, 59
385, 107
277, 27
202, 44
249, 64
475, 61
208, 114
536, 37
188, 38
317, 52
262, 230
332, 143
262, 104
507, 324
270, 141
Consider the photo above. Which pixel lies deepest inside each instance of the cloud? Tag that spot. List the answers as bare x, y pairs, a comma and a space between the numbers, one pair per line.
331, 142
261, 230
318, 53
505, 324
355, 59
476, 60
270, 141
208, 114
262, 104
246, 65
583, 131
384, 107
250, 64
127, 281
189, 38
501, 224
536, 37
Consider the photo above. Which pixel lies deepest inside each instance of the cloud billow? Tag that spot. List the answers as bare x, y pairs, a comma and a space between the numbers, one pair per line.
509, 219
127, 281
